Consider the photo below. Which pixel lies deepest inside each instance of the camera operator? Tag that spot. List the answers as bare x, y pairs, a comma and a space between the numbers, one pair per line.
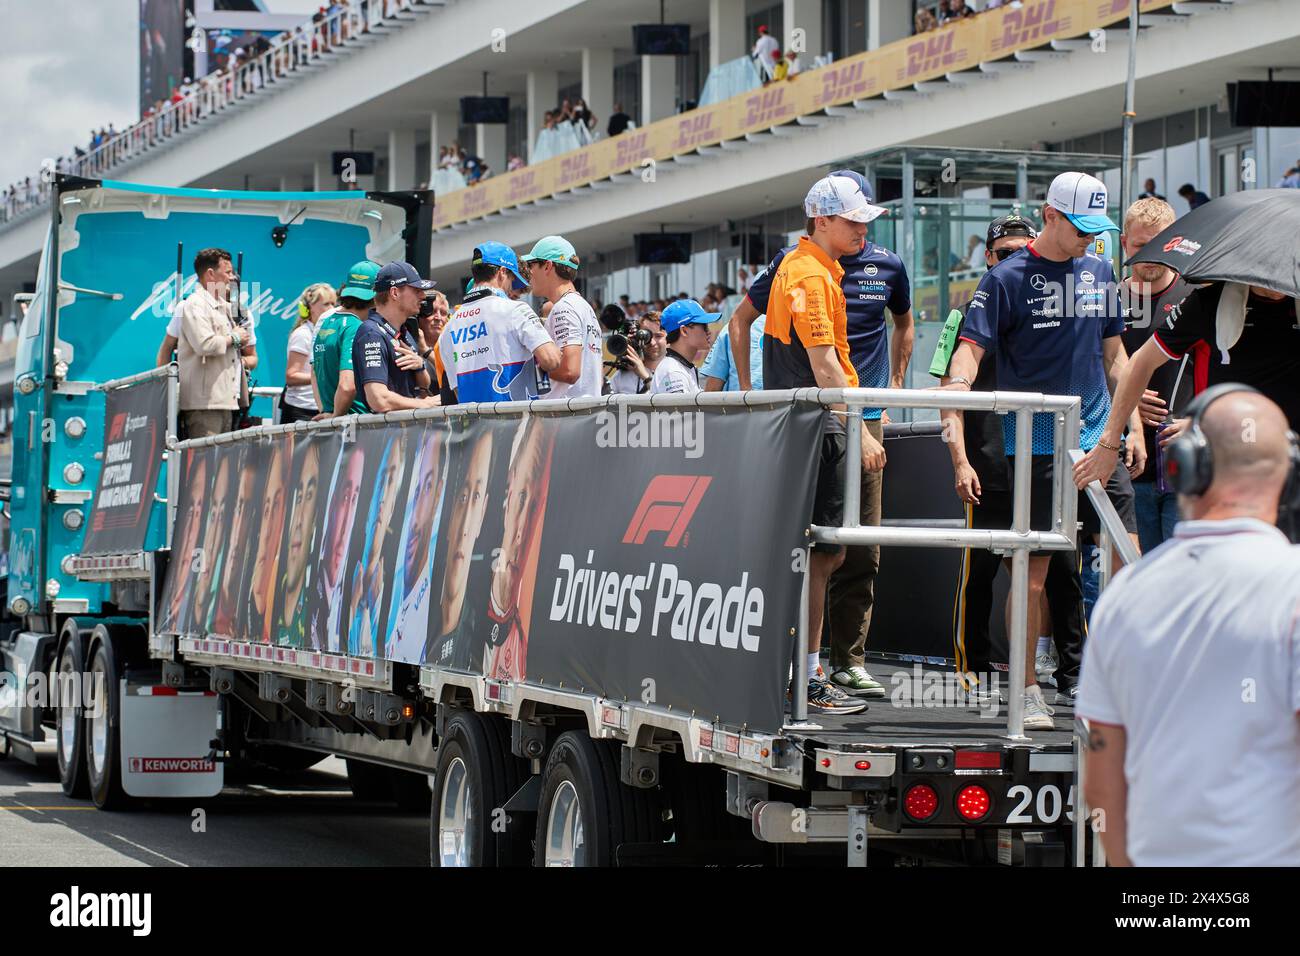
387, 347
432, 317
638, 346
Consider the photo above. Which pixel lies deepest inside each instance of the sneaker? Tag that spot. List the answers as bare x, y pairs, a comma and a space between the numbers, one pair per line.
825, 698
1068, 697
856, 680
1037, 714
1044, 667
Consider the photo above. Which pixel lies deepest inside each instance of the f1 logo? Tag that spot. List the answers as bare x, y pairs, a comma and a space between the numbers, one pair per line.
116, 429
668, 505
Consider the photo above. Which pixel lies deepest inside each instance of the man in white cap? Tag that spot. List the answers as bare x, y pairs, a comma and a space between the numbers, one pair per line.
1051, 317
805, 345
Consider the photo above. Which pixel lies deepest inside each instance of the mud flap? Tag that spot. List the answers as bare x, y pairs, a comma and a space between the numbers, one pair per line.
166, 739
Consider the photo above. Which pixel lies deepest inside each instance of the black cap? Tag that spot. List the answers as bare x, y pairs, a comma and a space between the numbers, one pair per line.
399, 274
1012, 225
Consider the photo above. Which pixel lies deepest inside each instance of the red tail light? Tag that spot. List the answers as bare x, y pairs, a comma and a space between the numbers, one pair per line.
920, 802
973, 802
978, 760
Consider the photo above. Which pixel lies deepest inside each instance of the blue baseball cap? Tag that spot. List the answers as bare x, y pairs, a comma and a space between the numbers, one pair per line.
499, 254
857, 177
397, 274
1082, 199
683, 312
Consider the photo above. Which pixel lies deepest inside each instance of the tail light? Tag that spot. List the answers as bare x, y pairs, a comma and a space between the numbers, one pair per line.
973, 802
920, 802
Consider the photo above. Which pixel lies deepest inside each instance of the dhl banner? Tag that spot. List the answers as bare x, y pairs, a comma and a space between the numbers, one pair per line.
958, 46
636, 553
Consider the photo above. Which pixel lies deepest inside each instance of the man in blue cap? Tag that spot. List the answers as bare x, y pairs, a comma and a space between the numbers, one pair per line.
877, 293
687, 326
386, 349
1051, 316
495, 349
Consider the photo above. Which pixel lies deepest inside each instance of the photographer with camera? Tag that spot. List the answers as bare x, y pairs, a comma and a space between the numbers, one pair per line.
638, 346
386, 350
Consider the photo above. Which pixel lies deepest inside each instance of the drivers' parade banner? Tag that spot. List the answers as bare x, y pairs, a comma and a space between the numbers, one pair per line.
135, 423
963, 45
639, 554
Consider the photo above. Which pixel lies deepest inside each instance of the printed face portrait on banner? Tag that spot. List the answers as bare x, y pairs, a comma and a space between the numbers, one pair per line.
299, 543
514, 568
408, 615
467, 503
269, 528
213, 542
341, 509
366, 603
185, 542
227, 618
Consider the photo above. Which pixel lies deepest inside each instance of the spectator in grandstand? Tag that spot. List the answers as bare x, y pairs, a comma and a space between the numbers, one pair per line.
1083, 356
1192, 195
686, 325
765, 53
516, 162
805, 344
743, 280
298, 401
1291, 178
950, 10
924, 21
571, 321
780, 69
1149, 191
618, 121
1173, 672
983, 483
975, 253
332, 376
386, 349
875, 287
514, 342
208, 349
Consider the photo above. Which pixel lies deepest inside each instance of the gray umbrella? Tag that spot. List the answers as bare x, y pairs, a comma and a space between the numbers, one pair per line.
1251, 237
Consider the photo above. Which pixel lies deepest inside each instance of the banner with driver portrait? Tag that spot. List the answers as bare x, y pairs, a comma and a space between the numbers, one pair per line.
641, 554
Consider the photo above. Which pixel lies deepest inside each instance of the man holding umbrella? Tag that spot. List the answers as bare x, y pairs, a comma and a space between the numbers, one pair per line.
1250, 330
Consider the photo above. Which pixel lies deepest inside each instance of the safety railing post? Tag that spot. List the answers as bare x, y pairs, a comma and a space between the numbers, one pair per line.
799, 690
1018, 640
853, 467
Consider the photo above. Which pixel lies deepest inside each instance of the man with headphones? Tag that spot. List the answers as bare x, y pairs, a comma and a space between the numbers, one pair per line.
1196, 651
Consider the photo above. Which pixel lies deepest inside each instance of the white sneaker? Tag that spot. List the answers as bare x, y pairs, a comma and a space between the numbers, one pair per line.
1044, 667
1038, 716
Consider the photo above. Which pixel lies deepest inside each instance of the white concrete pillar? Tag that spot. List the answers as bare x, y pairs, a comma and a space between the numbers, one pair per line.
887, 21
491, 145
598, 83
805, 15
542, 93
401, 159
658, 88
726, 31
322, 178
443, 125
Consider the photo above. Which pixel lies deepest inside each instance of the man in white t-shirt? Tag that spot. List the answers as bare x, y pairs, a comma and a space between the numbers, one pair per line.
493, 348
764, 52
687, 326
571, 321
1193, 661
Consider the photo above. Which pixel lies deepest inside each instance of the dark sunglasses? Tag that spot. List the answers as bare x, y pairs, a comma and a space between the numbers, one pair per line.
1003, 254
1085, 235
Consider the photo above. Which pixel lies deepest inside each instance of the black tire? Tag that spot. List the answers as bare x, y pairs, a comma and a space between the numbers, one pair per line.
410, 790
105, 772
474, 752
611, 813
697, 794
368, 781
70, 729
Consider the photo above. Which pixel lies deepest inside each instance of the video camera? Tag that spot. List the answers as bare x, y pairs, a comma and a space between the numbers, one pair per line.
624, 334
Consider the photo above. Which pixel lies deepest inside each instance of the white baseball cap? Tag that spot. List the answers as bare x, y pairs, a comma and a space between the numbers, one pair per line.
1082, 198
840, 196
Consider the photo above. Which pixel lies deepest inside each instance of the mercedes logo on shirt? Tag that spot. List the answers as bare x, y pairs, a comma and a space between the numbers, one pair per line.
1038, 281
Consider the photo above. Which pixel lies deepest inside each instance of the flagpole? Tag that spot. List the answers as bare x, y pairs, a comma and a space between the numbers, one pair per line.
1126, 170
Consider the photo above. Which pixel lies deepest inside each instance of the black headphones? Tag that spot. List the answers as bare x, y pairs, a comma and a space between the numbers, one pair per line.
1189, 464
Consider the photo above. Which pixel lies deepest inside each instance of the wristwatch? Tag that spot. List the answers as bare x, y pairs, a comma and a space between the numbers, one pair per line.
426, 353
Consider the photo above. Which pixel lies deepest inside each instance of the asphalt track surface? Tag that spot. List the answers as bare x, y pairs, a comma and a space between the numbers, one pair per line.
302, 819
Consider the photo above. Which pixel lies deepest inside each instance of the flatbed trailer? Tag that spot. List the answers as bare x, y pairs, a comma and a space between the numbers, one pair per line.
552, 748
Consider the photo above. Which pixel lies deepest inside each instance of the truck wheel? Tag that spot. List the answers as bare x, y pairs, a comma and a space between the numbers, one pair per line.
698, 796
68, 717
585, 813
475, 776
368, 781
104, 724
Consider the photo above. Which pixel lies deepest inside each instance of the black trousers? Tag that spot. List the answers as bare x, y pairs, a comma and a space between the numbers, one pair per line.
974, 601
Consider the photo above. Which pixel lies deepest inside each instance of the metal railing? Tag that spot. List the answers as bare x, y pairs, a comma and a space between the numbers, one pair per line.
294, 52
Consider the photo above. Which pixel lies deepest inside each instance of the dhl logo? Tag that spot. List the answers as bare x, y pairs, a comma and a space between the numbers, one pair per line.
932, 53
697, 129
574, 168
1031, 22
767, 107
632, 148
850, 81
521, 186
475, 202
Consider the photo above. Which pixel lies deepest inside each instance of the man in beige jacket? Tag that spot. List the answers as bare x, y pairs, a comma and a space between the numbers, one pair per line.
208, 350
